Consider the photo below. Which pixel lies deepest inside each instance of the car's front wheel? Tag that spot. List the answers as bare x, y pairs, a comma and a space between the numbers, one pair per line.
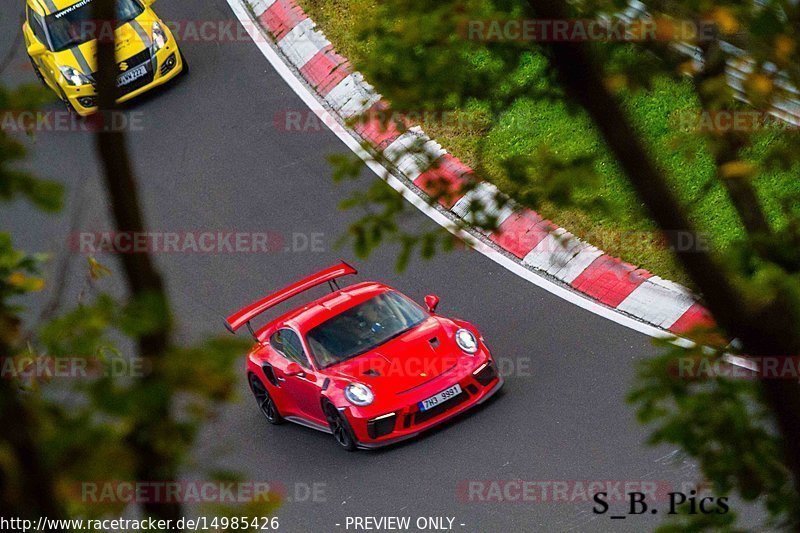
69, 107
37, 71
340, 429
265, 402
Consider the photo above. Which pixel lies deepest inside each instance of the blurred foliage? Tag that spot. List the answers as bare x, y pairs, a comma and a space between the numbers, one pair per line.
385, 219
522, 112
86, 427
416, 54
716, 413
103, 411
14, 182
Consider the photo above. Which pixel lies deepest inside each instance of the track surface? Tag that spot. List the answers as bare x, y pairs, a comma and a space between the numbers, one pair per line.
210, 158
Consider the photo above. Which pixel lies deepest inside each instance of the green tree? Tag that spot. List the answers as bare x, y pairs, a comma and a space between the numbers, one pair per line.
745, 435
26, 488
112, 428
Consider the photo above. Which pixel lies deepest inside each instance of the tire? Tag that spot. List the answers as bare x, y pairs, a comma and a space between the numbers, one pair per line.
37, 71
70, 108
340, 429
67, 105
185, 71
265, 402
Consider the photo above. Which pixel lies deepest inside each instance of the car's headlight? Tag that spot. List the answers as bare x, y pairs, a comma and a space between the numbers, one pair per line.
159, 37
466, 341
75, 77
358, 394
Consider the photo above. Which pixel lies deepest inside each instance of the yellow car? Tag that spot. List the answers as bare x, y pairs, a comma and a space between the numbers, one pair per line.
61, 39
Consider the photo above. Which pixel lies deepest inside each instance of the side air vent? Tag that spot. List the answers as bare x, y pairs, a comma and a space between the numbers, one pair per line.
372, 373
434, 342
270, 374
486, 375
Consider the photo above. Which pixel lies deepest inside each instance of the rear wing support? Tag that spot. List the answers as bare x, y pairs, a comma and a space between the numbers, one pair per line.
244, 316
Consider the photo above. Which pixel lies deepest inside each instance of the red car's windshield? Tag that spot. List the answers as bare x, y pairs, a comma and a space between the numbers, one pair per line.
363, 327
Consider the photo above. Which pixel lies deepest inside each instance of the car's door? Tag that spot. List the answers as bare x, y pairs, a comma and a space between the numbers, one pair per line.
304, 388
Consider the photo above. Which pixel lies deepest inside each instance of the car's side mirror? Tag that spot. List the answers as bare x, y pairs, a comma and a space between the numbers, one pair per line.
36, 49
432, 302
148, 3
293, 369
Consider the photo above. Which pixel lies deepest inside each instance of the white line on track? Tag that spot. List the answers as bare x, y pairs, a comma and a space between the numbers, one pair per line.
262, 41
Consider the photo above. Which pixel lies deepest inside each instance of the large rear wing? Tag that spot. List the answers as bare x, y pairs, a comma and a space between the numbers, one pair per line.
244, 316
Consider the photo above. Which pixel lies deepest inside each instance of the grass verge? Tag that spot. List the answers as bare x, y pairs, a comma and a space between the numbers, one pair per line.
623, 230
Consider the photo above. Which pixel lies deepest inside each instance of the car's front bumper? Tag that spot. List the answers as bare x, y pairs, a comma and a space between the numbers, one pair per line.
409, 421
78, 96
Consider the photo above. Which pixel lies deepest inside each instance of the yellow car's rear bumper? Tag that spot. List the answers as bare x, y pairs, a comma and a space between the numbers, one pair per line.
78, 96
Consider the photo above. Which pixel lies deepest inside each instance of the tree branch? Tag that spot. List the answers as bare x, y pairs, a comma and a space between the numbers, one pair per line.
731, 142
141, 275
767, 330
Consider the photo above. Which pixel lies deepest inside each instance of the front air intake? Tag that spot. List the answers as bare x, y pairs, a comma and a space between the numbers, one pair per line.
383, 425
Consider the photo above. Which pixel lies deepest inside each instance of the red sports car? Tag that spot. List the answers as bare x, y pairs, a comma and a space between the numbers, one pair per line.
364, 363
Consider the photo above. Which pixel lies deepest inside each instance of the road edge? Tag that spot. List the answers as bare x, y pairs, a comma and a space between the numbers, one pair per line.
527, 245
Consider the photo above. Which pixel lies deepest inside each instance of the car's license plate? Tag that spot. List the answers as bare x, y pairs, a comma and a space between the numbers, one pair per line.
131, 75
437, 399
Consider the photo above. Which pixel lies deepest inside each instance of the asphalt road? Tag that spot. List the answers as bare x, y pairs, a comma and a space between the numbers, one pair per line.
209, 158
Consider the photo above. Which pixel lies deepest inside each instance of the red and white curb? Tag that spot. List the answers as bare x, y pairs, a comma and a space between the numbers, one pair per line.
525, 243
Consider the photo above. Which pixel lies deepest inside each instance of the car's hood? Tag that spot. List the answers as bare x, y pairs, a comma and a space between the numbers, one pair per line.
412, 359
131, 39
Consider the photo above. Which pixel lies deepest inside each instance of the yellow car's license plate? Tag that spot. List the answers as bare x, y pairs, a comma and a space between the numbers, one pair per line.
132, 75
